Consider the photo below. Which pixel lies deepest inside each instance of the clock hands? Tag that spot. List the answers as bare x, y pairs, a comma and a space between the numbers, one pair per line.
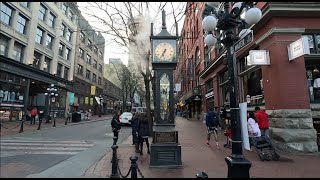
163, 52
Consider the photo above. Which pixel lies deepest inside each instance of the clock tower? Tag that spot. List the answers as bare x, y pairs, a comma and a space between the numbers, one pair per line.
165, 148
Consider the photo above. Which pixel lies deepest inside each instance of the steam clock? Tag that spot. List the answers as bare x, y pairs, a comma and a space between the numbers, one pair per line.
165, 148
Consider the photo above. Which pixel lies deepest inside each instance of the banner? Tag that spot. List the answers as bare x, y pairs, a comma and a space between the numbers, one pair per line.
244, 126
91, 101
93, 90
71, 98
86, 100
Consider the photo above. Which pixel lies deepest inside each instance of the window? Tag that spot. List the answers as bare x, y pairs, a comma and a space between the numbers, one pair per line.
100, 67
81, 36
39, 35
90, 44
70, 14
88, 59
59, 70
6, 13
61, 46
64, 8
94, 78
42, 12
207, 56
3, 45
66, 73
80, 70
313, 79
251, 83
51, 20
88, 74
95, 49
224, 89
68, 53
36, 60
69, 35
100, 55
63, 29
81, 53
95, 64
99, 80
25, 4
49, 42
47, 64
314, 43
21, 24
197, 56
18, 51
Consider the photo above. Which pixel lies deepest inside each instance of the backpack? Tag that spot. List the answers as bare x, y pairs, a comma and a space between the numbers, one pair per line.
215, 119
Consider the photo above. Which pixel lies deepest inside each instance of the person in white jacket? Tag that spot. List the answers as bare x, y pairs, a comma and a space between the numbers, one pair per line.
253, 127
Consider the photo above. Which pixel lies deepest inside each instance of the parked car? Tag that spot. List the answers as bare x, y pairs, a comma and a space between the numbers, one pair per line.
125, 118
138, 109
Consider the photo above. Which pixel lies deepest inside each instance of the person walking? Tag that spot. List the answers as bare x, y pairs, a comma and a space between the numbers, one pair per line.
224, 117
144, 132
212, 123
115, 124
135, 128
34, 113
263, 121
253, 128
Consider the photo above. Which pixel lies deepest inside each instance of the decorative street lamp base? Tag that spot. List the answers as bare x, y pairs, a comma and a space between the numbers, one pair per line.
238, 167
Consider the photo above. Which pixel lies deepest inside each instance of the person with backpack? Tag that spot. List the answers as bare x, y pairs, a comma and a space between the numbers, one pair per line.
212, 123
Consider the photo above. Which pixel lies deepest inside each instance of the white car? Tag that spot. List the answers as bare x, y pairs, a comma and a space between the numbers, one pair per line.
125, 117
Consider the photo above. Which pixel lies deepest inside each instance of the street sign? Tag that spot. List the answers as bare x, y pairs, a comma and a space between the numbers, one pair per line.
243, 42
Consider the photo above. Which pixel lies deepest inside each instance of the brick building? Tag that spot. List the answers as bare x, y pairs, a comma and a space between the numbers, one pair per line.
287, 90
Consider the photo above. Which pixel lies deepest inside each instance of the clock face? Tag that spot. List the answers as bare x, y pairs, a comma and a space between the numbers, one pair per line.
164, 51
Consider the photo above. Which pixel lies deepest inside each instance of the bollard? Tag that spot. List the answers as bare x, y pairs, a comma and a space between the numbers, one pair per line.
39, 125
134, 166
115, 139
54, 122
202, 175
114, 161
21, 127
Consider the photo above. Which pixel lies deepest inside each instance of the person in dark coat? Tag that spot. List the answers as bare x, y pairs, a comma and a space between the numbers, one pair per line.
116, 125
144, 132
135, 127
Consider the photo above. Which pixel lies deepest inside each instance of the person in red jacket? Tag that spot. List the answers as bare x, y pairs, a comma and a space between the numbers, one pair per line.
263, 121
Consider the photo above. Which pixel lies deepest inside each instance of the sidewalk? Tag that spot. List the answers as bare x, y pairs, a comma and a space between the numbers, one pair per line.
14, 127
197, 157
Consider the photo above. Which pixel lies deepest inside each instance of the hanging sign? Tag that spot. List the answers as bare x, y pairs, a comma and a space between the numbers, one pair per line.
93, 90
259, 57
71, 98
298, 48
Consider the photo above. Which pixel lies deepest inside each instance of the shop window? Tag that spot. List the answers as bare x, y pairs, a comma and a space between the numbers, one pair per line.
47, 64
18, 51
36, 60
224, 89
313, 79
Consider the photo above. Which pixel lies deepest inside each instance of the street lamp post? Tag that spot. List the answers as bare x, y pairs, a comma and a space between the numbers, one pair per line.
100, 99
238, 166
51, 92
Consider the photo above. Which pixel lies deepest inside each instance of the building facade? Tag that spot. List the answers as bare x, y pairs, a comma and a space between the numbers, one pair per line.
287, 90
39, 35
112, 96
89, 65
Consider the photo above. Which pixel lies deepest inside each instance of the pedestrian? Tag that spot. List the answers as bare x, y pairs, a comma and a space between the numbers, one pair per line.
135, 128
212, 123
263, 121
253, 128
34, 113
116, 125
69, 114
144, 132
229, 137
216, 110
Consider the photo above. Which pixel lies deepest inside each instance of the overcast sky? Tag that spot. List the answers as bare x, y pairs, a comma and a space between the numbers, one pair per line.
112, 50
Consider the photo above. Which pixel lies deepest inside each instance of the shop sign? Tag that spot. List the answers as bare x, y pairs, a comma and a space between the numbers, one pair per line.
93, 90
209, 95
71, 98
259, 57
243, 42
298, 48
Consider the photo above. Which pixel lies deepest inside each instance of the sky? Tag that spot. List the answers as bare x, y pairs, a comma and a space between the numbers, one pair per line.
112, 50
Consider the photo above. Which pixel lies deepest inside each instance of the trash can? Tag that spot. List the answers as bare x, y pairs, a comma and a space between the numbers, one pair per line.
76, 117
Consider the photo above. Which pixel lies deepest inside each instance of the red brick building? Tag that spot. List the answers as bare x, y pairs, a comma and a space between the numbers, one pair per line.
287, 90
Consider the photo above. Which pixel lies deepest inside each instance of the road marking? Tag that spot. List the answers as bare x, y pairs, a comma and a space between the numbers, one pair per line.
42, 147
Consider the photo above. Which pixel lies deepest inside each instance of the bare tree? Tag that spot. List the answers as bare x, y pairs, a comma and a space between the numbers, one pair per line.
128, 25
